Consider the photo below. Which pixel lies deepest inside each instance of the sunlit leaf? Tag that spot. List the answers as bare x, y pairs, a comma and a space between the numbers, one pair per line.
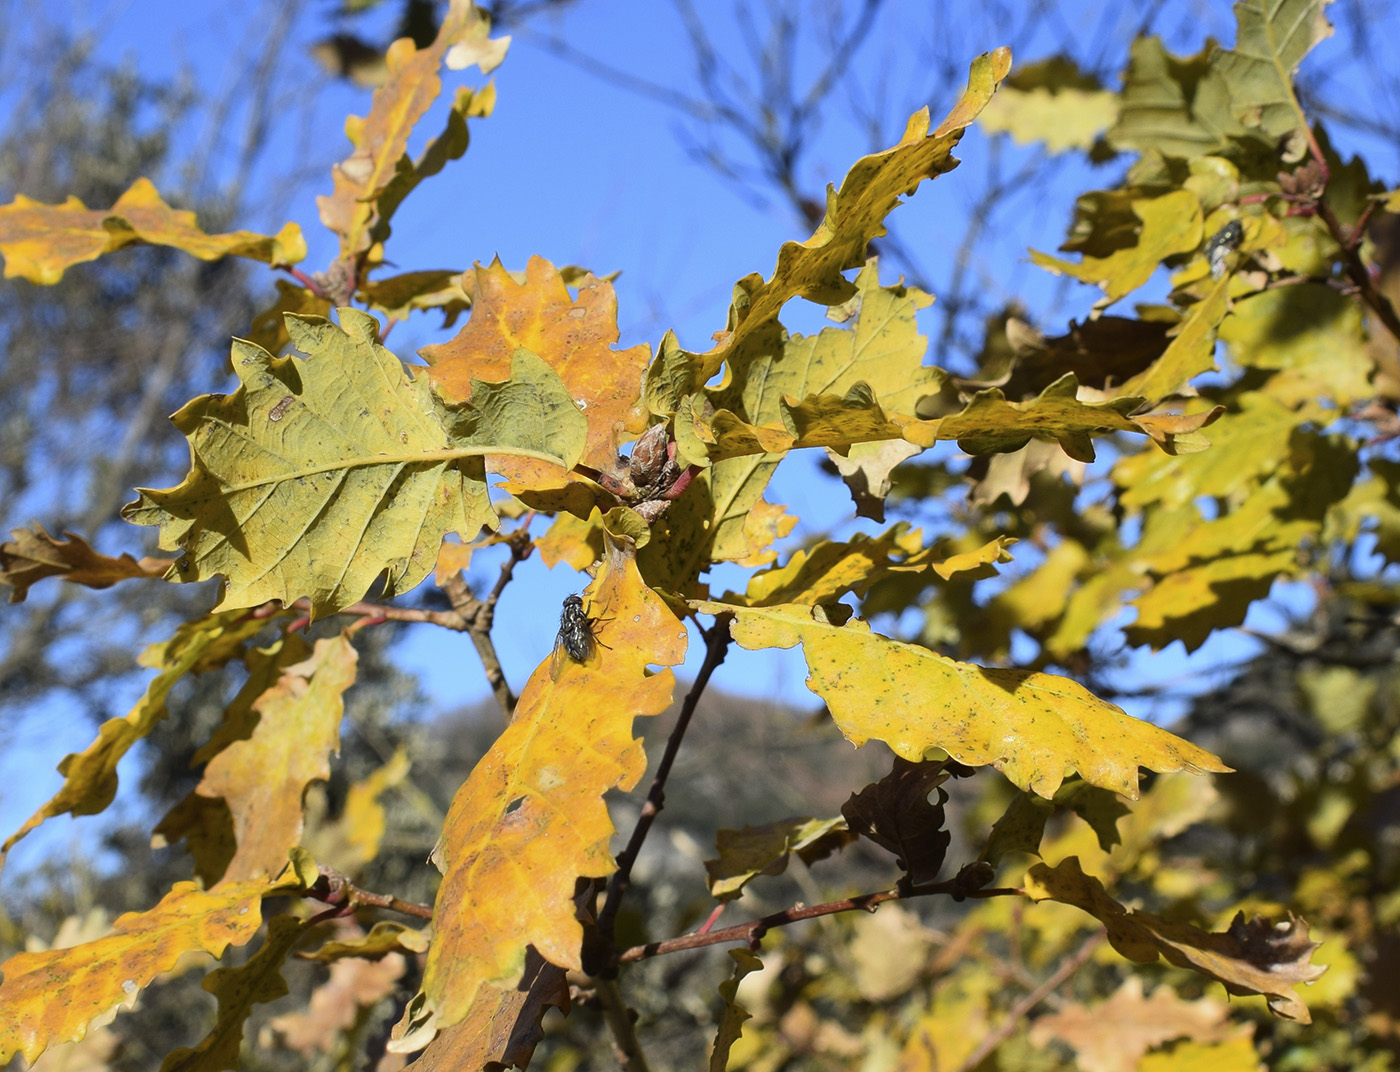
1171, 224
90, 776
1053, 102
381, 138
574, 337
318, 476
52, 996
531, 818
1255, 957
1032, 727
263, 778
40, 242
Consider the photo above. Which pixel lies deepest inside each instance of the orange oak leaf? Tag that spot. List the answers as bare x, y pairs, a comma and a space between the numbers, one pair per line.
40, 242
530, 818
33, 555
263, 778
52, 997
574, 337
381, 138
354, 984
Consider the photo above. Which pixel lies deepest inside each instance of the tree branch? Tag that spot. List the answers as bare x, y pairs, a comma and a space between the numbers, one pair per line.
335, 889
754, 930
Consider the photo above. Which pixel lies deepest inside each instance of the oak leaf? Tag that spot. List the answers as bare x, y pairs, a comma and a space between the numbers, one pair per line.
381, 138
263, 778
575, 337
90, 776
530, 818
33, 554
318, 476
865, 469
384, 937
765, 850
731, 1023
40, 242
1190, 352
502, 1027
337, 1004
1033, 727
897, 815
238, 990
1171, 224
1113, 1035
1254, 957
855, 214
51, 997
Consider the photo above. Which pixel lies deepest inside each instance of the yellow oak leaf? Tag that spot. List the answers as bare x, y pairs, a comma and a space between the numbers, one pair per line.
1033, 727
52, 996
574, 337
263, 778
411, 86
40, 242
530, 818
90, 776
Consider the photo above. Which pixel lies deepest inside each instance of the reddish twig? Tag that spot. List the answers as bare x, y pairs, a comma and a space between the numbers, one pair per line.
751, 932
305, 280
335, 889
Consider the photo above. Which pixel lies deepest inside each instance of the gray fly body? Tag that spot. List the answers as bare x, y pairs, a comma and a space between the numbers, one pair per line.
1219, 245
575, 631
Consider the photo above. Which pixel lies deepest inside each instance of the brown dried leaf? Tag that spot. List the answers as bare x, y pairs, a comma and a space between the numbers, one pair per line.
1254, 957
1113, 1035
354, 984
897, 815
33, 555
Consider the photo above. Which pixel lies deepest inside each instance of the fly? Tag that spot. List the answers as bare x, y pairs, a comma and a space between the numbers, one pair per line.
575, 639
1224, 242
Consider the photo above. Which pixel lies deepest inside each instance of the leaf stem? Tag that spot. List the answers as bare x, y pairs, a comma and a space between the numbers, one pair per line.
717, 646
754, 930
1348, 240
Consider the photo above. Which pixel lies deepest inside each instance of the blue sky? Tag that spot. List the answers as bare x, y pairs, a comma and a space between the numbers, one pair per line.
580, 171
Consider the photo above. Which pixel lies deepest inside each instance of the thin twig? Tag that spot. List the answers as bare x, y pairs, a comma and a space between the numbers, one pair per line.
1016, 1016
754, 930
1356, 268
717, 645
627, 1047
336, 890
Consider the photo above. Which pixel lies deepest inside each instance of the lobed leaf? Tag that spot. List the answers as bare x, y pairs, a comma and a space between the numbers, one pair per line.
238, 990
573, 336
90, 776
530, 818
1033, 727
40, 242
263, 778
33, 555
381, 138
765, 850
52, 997
897, 814
1257, 957
337, 1005
1052, 102
318, 476
731, 1024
